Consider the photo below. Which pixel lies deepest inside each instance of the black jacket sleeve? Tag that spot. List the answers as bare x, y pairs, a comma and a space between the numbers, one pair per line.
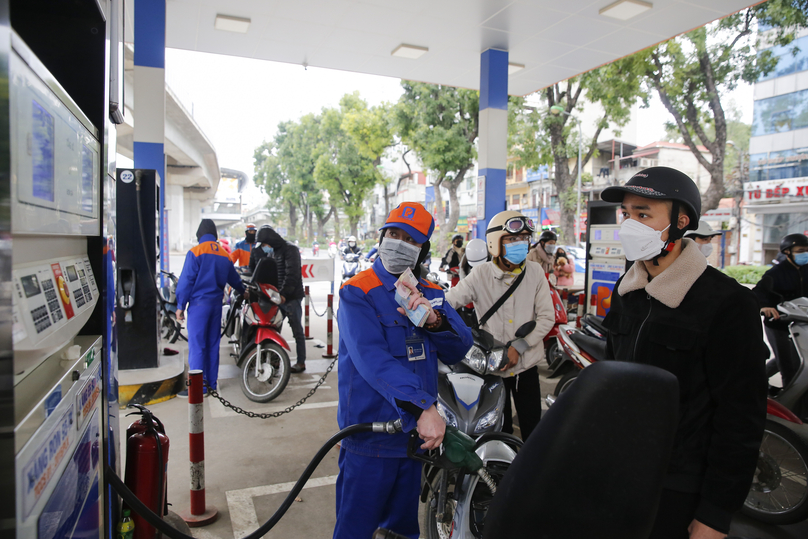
736, 380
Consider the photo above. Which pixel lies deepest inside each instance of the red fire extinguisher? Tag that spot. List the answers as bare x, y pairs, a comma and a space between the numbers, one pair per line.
146, 467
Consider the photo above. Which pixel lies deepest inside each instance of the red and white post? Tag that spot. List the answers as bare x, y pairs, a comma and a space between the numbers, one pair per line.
306, 301
329, 348
199, 514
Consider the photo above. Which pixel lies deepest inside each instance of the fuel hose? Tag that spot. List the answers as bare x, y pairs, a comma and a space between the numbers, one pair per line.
155, 520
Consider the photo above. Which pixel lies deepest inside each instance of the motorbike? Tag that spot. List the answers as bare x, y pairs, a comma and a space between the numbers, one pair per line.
350, 265
453, 274
579, 351
170, 327
472, 401
254, 328
315, 249
552, 350
779, 492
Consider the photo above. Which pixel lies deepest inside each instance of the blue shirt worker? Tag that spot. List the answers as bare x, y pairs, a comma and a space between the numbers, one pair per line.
389, 370
206, 271
241, 253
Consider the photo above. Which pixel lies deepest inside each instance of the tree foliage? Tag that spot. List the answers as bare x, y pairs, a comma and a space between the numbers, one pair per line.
537, 136
440, 124
692, 73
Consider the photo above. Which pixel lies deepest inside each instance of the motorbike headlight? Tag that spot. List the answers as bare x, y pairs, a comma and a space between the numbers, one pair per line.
487, 421
448, 416
475, 358
495, 359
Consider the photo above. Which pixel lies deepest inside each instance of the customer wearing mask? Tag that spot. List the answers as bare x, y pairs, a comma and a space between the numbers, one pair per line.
241, 253
451, 260
671, 310
206, 271
290, 284
508, 236
388, 369
544, 250
703, 236
783, 282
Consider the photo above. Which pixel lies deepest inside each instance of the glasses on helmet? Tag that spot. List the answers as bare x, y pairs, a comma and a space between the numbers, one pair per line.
515, 225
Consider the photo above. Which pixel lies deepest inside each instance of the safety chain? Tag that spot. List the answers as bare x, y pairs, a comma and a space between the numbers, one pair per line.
311, 304
212, 392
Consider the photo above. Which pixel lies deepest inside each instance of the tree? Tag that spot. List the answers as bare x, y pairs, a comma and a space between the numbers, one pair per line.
440, 123
347, 173
371, 131
269, 174
537, 137
691, 73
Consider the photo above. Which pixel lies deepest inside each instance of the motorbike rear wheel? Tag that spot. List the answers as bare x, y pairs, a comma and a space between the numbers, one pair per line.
264, 378
779, 492
554, 354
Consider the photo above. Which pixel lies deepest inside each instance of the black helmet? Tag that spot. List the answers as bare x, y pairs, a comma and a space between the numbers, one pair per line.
457, 237
792, 240
663, 183
548, 235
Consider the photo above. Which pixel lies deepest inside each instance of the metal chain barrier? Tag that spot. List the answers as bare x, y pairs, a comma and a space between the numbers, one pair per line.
212, 392
311, 304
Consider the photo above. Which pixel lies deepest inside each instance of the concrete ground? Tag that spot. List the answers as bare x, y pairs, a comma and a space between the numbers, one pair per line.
251, 464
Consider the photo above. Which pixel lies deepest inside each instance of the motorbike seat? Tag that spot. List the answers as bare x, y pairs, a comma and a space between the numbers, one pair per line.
594, 466
591, 345
595, 322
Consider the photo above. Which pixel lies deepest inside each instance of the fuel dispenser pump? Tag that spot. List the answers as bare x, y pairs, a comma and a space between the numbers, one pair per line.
58, 410
606, 261
137, 205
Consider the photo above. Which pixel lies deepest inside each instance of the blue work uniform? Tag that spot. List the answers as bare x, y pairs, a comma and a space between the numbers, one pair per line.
385, 362
206, 271
241, 253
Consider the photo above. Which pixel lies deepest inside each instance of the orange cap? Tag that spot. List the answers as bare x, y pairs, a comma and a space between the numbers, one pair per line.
413, 218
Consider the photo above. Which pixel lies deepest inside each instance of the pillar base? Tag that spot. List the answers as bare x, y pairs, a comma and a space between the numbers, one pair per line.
329, 356
195, 521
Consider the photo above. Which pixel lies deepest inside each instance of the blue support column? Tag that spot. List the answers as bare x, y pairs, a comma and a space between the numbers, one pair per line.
150, 100
493, 136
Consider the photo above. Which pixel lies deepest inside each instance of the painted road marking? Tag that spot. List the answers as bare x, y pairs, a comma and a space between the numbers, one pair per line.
217, 409
242, 508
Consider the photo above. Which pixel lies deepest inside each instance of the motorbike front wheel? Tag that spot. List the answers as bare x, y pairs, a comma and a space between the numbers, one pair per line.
169, 331
264, 375
779, 492
566, 381
554, 354
433, 529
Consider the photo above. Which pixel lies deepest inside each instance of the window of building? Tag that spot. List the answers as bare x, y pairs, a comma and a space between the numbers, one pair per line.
777, 225
780, 114
515, 199
788, 63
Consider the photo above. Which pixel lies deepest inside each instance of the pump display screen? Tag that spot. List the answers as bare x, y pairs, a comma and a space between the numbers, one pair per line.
71, 273
42, 152
30, 284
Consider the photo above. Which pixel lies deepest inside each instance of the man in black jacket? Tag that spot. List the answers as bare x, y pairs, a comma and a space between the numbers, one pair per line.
290, 283
673, 311
785, 281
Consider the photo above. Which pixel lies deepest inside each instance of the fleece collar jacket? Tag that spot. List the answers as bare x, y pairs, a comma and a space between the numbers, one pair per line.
704, 327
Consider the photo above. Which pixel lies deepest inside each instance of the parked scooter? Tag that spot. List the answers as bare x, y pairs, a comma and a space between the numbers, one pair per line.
779, 492
472, 401
579, 351
170, 327
262, 351
350, 266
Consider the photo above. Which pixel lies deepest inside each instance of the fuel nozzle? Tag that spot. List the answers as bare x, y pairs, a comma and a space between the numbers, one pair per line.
458, 447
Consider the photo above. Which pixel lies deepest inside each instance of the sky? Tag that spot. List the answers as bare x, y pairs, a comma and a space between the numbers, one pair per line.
238, 102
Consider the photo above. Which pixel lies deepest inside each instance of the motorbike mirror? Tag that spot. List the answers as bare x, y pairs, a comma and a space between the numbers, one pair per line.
525, 329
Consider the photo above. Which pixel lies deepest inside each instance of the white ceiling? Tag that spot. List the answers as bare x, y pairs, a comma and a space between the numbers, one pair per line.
553, 39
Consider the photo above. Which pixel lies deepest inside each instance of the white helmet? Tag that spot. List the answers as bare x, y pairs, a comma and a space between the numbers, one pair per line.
476, 252
506, 223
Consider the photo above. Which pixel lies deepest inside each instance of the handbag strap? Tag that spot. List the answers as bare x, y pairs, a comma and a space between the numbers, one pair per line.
502, 299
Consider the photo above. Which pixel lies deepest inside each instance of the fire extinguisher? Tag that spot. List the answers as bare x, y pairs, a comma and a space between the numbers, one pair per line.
146, 467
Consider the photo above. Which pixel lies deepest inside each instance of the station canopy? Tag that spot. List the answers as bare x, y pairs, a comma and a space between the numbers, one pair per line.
547, 40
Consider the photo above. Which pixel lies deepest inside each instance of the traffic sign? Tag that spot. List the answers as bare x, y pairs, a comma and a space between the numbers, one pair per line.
317, 269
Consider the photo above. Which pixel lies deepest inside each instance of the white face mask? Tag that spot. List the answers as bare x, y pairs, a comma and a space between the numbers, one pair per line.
706, 249
398, 255
641, 242
550, 248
